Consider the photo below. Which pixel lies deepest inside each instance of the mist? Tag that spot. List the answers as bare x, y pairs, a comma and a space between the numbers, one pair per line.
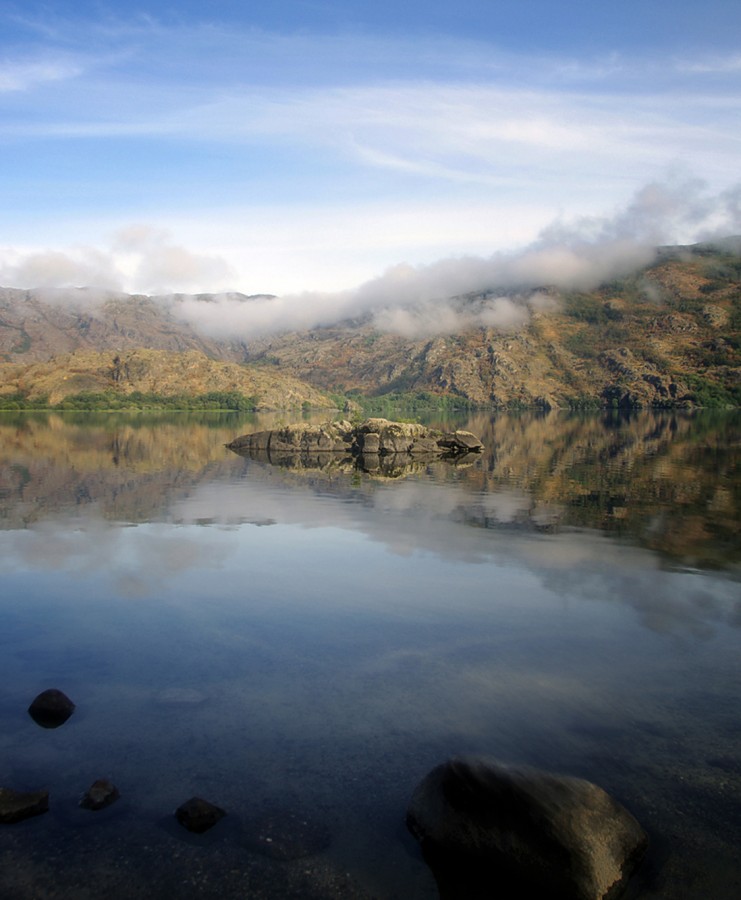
444, 297
500, 291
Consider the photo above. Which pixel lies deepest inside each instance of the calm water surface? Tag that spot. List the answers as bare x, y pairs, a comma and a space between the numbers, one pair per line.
304, 644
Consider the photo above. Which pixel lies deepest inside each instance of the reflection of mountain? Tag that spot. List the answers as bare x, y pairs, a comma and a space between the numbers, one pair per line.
668, 481
664, 481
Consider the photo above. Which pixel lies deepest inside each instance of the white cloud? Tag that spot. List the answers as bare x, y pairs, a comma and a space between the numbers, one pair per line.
281, 162
22, 76
138, 258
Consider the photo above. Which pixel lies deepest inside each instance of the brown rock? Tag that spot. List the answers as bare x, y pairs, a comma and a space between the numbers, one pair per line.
488, 830
100, 794
18, 805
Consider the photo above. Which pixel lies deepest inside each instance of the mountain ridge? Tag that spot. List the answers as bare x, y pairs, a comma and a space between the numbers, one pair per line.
668, 334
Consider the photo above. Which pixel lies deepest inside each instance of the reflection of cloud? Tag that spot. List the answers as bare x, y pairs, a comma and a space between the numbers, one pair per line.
137, 559
406, 519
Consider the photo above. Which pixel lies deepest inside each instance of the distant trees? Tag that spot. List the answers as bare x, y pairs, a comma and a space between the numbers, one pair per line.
111, 400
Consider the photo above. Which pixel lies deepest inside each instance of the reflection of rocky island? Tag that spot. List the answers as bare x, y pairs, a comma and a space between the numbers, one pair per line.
667, 481
376, 446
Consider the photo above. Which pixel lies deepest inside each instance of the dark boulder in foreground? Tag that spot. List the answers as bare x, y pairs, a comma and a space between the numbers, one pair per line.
100, 794
198, 815
490, 830
51, 708
18, 805
371, 437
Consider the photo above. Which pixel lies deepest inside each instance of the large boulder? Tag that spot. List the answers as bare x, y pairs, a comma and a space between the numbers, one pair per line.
461, 442
491, 830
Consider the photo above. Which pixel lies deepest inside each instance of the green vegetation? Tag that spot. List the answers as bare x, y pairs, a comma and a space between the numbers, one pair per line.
21, 401
710, 394
392, 404
113, 400
24, 343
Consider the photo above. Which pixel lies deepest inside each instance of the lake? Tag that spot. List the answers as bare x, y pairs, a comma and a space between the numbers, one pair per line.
300, 645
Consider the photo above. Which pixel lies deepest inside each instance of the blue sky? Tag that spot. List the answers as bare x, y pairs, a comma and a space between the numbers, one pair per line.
313, 146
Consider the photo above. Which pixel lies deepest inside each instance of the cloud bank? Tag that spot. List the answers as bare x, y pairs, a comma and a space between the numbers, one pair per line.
443, 297
425, 300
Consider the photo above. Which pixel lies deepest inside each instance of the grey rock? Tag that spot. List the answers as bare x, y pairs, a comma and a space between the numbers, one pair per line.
18, 805
462, 441
369, 443
487, 830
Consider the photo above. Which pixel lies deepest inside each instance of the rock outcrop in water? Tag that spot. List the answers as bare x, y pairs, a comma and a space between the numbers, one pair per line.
373, 437
492, 830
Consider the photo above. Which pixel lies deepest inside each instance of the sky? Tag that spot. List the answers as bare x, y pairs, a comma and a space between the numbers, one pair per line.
353, 150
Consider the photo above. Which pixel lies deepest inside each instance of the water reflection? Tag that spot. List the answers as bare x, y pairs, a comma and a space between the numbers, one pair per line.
316, 639
667, 482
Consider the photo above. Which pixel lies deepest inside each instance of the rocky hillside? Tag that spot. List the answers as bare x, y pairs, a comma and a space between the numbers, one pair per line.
38, 325
156, 372
668, 335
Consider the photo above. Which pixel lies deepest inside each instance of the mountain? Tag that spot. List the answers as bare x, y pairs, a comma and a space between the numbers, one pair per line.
40, 324
667, 334
157, 372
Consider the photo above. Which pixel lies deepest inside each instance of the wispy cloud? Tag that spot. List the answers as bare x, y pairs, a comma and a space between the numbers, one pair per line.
26, 74
286, 161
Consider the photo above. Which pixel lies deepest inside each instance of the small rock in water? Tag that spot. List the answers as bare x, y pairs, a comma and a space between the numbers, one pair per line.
100, 794
198, 815
51, 708
18, 805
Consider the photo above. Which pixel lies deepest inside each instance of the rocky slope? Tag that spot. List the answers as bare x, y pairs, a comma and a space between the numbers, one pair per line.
159, 372
38, 325
668, 335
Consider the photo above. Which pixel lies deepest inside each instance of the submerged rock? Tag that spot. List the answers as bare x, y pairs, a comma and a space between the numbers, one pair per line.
51, 708
487, 830
372, 437
18, 805
100, 794
198, 815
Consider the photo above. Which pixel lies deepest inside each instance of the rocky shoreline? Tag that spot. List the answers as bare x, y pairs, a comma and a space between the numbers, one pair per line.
485, 828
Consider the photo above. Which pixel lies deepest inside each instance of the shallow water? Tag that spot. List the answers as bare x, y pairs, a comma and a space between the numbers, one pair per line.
306, 644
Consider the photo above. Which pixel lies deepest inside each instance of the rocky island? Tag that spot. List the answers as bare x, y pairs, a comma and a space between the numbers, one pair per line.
371, 438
